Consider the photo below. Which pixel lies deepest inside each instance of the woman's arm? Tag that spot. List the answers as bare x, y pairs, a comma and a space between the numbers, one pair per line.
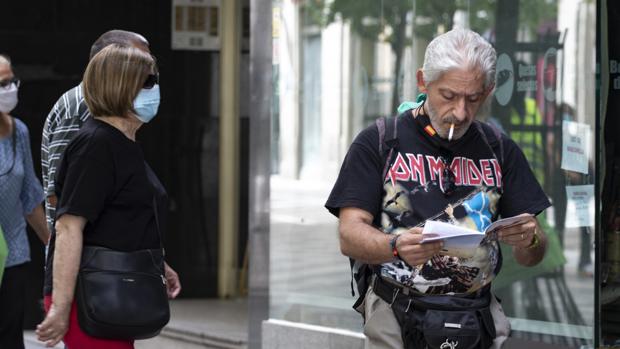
173, 284
67, 254
37, 221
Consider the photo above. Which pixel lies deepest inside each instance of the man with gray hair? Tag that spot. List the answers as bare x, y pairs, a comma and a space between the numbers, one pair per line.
435, 162
68, 115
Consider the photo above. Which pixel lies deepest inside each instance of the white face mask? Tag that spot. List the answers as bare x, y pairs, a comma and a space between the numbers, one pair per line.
8, 98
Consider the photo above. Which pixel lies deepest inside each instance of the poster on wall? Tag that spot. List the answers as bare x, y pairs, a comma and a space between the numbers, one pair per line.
196, 25
579, 206
575, 146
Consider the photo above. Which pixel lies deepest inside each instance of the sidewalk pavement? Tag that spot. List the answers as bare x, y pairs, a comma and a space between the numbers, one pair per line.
194, 324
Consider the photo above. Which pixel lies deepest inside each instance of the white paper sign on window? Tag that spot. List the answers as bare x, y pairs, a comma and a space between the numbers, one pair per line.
579, 206
575, 146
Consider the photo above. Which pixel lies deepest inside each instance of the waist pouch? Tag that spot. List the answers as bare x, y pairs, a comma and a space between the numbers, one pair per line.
440, 322
122, 295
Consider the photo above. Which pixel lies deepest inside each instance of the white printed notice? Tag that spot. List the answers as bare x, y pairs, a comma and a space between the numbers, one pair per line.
579, 206
575, 146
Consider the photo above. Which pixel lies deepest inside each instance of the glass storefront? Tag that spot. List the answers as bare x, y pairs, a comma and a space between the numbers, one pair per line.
340, 64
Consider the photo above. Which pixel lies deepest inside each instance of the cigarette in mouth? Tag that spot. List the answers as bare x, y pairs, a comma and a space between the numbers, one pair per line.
451, 132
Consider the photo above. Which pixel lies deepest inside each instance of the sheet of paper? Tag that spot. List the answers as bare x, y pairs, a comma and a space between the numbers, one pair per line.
458, 241
435, 230
579, 206
575, 146
507, 222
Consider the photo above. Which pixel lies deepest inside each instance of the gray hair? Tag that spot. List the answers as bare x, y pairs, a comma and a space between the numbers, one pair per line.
119, 37
4, 59
458, 49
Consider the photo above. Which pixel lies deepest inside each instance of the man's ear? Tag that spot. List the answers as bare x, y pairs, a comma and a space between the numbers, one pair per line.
489, 90
421, 84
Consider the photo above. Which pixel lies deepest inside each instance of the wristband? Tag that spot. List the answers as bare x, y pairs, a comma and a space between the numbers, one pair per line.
393, 245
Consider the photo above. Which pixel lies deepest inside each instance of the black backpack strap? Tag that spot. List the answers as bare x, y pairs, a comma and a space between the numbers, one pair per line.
492, 136
388, 140
380, 123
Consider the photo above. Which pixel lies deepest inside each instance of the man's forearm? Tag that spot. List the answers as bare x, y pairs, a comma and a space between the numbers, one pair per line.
362, 241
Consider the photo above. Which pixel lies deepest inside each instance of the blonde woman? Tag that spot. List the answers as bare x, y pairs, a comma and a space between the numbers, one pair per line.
105, 188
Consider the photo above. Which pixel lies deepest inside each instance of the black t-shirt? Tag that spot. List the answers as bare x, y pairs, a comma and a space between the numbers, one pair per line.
411, 194
104, 178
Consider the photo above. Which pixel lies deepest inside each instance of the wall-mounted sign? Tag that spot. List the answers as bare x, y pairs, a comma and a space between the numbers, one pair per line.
579, 206
196, 25
575, 146
548, 71
527, 77
504, 79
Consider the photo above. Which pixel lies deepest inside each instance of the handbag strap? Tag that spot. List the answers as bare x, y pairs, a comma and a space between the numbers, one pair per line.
161, 242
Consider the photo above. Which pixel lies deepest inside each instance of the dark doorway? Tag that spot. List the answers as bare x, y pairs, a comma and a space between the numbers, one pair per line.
49, 42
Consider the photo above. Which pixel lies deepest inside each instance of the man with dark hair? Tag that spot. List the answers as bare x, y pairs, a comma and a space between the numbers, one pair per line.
65, 120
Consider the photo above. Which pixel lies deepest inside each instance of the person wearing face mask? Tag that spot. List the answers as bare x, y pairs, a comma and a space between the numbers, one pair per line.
435, 161
65, 120
21, 196
108, 195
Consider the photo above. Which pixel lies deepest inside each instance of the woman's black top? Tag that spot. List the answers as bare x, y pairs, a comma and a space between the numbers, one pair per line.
104, 178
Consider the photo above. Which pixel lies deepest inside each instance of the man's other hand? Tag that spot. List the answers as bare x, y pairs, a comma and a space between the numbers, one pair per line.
412, 251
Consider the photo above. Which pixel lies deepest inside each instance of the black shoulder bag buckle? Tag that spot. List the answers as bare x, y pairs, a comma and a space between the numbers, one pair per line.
122, 295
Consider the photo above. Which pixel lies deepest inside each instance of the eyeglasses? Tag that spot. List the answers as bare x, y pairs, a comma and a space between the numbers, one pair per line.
151, 81
447, 185
7, 83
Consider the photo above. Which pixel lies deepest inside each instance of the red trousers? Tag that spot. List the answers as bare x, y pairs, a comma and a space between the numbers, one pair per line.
75, 338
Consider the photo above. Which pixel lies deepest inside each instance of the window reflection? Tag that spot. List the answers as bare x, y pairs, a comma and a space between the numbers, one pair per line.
340, 64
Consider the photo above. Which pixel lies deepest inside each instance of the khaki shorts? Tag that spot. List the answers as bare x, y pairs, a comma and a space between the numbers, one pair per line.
383, 332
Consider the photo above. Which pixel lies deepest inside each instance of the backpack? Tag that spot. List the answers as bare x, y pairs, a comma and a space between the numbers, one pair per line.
388, 142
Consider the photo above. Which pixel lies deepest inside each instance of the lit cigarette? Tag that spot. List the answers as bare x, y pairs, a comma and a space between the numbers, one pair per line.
451, 132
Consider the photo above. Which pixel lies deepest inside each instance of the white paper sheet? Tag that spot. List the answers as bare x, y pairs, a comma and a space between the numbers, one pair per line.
462, 242
579, 206
575, 146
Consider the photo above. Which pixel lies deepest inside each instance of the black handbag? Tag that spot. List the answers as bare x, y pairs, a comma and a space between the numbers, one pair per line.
122, 295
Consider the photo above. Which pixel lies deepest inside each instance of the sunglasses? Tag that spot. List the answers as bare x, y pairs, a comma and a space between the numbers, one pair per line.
447, 185
151, 81
7, 83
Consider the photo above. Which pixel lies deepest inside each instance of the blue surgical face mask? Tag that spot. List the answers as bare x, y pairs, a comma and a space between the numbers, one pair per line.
147, 103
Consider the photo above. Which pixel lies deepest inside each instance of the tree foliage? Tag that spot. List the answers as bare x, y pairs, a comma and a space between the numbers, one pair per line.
390, 20
378, 20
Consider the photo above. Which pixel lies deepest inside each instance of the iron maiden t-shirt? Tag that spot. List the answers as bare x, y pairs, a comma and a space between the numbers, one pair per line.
411, 193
